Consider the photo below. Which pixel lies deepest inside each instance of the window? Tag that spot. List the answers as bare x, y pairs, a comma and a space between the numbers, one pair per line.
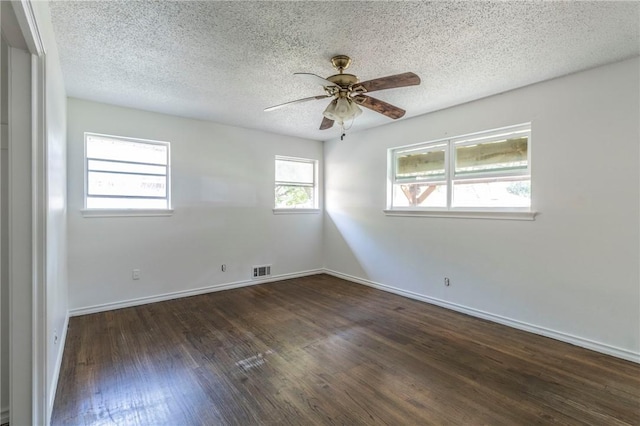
488, 171
296, 183
125, 173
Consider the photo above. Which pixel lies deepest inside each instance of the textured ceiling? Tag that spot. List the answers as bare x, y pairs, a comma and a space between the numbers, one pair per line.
227, 61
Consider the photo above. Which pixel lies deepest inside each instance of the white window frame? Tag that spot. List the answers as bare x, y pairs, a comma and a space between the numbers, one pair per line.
515, 213
109, 212
316, 201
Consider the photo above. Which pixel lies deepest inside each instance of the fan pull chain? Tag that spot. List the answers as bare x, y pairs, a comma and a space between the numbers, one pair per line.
344, 128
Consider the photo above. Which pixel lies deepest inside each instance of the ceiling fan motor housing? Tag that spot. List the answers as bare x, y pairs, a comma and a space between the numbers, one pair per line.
343, 80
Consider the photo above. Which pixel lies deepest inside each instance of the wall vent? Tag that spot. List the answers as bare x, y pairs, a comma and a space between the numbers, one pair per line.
261, 271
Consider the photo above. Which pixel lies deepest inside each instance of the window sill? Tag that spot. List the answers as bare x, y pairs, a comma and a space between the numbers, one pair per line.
296, 211
126, 212
465, 214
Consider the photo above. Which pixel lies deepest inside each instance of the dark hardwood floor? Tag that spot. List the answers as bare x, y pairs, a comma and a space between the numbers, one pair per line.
320, 350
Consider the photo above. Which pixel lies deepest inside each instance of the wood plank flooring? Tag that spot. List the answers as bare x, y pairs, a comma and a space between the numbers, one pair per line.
321, 351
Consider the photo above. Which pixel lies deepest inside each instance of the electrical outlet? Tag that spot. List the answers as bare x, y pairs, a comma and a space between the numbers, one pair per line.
446, 282
135, 274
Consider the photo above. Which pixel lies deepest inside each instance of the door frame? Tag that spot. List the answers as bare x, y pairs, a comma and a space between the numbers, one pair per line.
26, 19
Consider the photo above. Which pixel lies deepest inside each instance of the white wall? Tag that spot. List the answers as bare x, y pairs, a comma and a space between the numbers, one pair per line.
573, 273
222, 192
56, 213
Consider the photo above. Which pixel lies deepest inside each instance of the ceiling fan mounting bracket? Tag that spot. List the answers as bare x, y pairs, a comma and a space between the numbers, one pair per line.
341, 62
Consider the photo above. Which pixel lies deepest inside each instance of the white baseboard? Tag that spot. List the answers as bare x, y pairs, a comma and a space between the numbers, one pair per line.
520, 325
4, 415
58, 366
186, 293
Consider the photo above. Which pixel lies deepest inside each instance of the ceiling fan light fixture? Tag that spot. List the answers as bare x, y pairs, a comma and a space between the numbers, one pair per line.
341, 110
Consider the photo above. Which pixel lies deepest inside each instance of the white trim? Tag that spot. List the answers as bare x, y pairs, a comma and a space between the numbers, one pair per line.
139, 141
22, 267
450, 178
88, 213
56, 372
26, 18
463, 214
186, 293
314, 185
520, 325
28, 24
296, 211
39, 208
516, 128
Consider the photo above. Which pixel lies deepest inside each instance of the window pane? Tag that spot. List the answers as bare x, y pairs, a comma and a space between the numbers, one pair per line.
101, 147
430, 164
126, 203
113, 166
102, 183
298, 197
492, 193
420, 195
492, 156
294, 171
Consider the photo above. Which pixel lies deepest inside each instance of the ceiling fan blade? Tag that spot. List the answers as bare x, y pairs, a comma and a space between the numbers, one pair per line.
379, 106
391, 82
326, 124
315, 79
271, 108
